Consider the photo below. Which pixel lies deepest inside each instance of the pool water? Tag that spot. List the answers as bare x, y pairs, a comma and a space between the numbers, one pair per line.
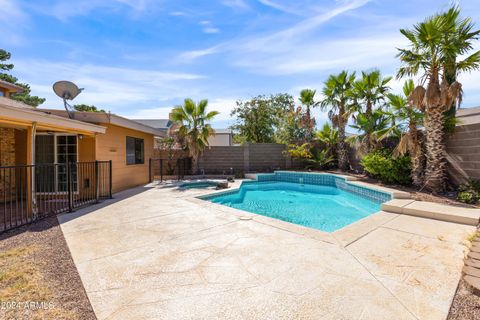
322, 207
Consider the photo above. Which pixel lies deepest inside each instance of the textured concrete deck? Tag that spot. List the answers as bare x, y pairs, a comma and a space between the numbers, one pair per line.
162, 254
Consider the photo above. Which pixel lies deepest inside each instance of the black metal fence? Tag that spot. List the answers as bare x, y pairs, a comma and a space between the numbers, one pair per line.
160, 168
31, 192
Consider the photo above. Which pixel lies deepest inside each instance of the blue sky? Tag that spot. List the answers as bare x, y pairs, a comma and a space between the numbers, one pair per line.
138, 58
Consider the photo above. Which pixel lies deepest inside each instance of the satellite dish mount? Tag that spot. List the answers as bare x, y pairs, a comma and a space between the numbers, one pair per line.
67, 91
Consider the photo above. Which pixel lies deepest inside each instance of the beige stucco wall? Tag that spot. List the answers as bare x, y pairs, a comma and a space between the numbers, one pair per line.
112, 146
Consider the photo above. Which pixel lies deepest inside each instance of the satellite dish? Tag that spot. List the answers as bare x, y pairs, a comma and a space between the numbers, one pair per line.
67, 91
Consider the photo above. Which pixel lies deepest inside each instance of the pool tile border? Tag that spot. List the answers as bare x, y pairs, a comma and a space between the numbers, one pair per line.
329, 180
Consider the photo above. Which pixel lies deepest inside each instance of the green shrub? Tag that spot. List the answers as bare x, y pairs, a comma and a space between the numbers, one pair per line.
469, 192
386, 168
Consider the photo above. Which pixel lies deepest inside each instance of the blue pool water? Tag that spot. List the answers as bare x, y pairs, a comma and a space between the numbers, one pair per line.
322, 207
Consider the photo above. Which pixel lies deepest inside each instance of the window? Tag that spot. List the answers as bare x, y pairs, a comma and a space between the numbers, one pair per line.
134, 151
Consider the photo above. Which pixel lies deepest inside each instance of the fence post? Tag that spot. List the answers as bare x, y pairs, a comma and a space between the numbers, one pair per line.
178, 169
246, 157
110, 178
69, 186
150, 170
97, 182
161, 170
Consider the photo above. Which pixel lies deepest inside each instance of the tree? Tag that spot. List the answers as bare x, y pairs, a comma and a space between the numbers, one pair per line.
328, 136
435, 45
307, 98
370, 92
338, 101
194, 127
291, 129
258, 119
87, 108
168, 144
405, 120
24, 96
371, 128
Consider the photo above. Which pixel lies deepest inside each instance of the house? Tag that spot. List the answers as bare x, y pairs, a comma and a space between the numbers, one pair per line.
127, 143
222, 137
50, 163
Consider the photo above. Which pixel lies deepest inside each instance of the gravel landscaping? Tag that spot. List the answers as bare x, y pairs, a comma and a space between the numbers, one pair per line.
38, 277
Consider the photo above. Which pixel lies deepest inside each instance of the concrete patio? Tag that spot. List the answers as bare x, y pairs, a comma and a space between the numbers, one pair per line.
160, 253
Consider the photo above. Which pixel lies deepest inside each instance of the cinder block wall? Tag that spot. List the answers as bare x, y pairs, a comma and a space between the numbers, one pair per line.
463, 148
261, 157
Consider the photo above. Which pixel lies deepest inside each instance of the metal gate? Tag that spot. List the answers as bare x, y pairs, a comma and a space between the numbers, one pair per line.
31, 192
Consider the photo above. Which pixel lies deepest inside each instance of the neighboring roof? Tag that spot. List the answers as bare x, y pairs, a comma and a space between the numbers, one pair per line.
223, 131
108, 118
10, 86
467, 116
156, 123
21, 114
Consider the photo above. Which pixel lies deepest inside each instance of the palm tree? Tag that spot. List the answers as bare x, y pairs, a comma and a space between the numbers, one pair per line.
337, 99
435, 45
370, 128
328, 136
307, 98
194, 126
405, 120
369, 91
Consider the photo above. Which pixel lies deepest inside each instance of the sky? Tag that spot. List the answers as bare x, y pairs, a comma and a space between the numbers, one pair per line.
139, 58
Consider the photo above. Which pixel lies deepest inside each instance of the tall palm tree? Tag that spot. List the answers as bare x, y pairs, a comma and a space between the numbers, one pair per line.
405, 120
435, 45
307, 98
194, 127
370, 91
337, 100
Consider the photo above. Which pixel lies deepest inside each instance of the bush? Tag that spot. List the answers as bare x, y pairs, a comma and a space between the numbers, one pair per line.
469, 192
386, 168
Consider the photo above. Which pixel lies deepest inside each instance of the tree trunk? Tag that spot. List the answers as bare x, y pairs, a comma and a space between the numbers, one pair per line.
195, 164
416, 155
435, 150
342, 147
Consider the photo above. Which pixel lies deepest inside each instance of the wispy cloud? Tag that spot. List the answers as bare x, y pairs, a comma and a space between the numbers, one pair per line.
64, 10
236, 4
207, 27
112, 88
280, 7
12, 20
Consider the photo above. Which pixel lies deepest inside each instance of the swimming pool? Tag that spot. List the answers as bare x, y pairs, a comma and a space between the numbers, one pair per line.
324, 202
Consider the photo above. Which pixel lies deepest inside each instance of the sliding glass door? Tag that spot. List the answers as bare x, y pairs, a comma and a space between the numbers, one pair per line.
55, 151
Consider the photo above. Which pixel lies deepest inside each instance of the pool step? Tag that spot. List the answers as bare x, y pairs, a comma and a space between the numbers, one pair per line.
433, 210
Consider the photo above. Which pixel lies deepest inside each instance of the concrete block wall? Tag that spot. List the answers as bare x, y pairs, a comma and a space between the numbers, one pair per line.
463, 148
261, 157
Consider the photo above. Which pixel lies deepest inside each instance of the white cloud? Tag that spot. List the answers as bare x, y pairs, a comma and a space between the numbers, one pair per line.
269, 50
222, 105
189, 56
208, 27
281, 7
111, 88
